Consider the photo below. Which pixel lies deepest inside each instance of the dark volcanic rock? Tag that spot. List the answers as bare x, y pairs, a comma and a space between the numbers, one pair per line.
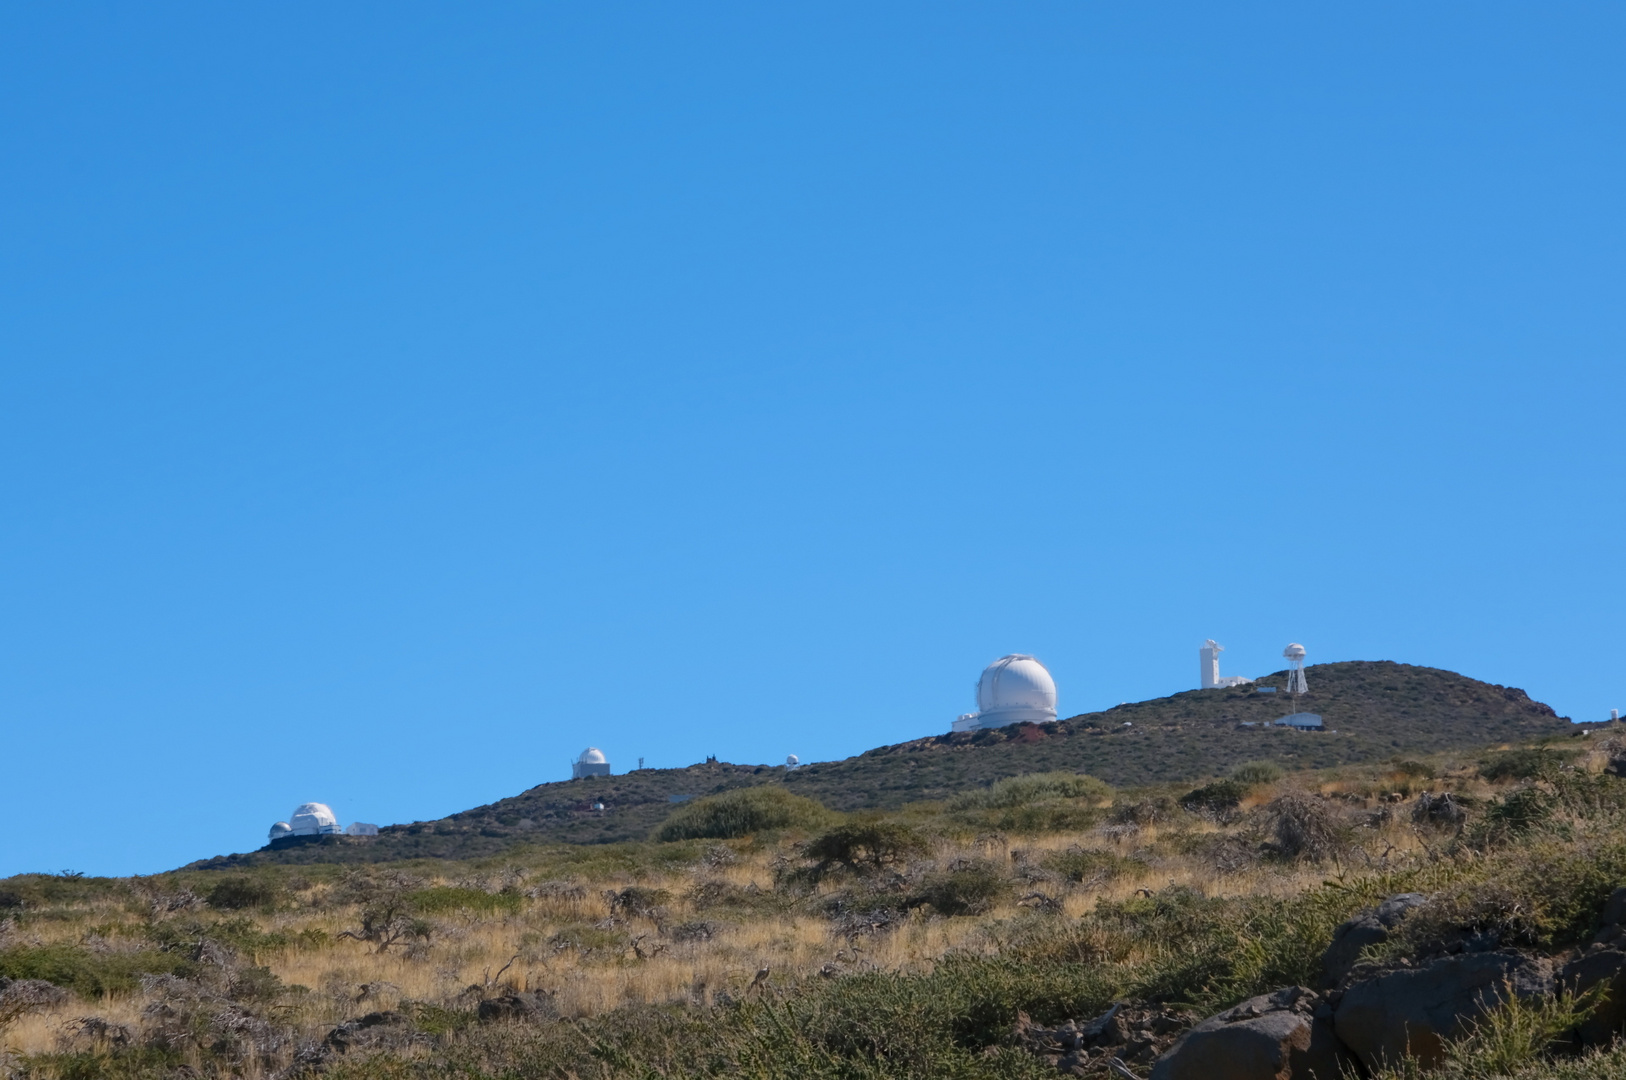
1415, 1010
516, 1007
1284, 1035
1132, 1034
1600, 964
1368, 928
377, 1029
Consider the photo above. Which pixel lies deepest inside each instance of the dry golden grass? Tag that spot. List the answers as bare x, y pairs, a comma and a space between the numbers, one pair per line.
571, 944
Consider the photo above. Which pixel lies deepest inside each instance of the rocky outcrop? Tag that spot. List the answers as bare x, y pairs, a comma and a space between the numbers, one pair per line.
1364, 930
1602, 964
373, 1031
1415, 1010
1599, 965
519, 1006
1132, 1034
1285, 1035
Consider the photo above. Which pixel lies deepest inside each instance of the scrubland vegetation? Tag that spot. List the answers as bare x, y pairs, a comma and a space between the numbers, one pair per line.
758, 933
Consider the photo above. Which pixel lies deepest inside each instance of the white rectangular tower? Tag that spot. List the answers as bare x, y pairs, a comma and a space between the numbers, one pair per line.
1209, 657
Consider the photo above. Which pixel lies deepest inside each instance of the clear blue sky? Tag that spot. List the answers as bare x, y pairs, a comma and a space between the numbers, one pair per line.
396, 399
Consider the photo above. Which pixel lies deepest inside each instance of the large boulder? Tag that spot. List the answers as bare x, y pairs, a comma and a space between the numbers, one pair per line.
1599, 965
1366, 929
1416, 1010
1284, 1035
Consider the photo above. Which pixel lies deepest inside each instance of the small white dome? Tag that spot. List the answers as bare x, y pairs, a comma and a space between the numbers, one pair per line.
792, 761
313, 818
1017, 687
280, 829
1294, 651
592, 756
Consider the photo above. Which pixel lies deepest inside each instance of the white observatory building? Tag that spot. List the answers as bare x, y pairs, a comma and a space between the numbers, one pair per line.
317, 819
1014, 689
591, 763
1210, 678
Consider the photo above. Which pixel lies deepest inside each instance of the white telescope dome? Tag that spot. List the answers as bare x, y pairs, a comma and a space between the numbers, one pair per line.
792, 761
1014, 689
1294, 651
313, 819
592, 756
280, 829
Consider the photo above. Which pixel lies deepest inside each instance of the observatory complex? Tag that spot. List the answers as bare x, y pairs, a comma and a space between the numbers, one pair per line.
1211, 679
591, 763
316, 819
1014, 689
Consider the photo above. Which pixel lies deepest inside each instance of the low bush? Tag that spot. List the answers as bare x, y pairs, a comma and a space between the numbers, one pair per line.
1145, 811
1036, 787
741, 813
441, 899
1526, 764
965, 888
90, 974
866, 846
639, 900
1257, 773
1089, 865
1515, 814
1219, 797
238, 893
1304, 826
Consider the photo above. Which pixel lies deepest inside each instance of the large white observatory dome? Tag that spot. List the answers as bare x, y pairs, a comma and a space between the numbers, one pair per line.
1013, 689
313, 819
592, 762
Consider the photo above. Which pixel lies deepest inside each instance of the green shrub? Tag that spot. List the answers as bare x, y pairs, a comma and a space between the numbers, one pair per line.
440, 899
966, 888
866, 846
1518, 812
89, 974
1086, 864
237, 893
1257, 773
1538, 764
740, 813
1416, 769
1218, 797
1036, 787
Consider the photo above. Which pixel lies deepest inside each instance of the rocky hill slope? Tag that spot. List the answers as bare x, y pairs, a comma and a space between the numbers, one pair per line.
1373, 710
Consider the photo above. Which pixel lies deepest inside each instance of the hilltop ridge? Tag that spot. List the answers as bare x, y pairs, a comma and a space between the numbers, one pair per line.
1373, 710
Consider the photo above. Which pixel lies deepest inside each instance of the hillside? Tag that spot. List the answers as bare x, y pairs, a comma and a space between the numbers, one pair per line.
995, 936
1373, 710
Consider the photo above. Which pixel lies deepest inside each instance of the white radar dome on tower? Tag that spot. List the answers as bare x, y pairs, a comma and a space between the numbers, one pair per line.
1013, 689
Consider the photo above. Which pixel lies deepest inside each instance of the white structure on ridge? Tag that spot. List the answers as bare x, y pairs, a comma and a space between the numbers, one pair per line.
1211, 678
1295, 669
309, 819
591, 763
1013, 689
792, 762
